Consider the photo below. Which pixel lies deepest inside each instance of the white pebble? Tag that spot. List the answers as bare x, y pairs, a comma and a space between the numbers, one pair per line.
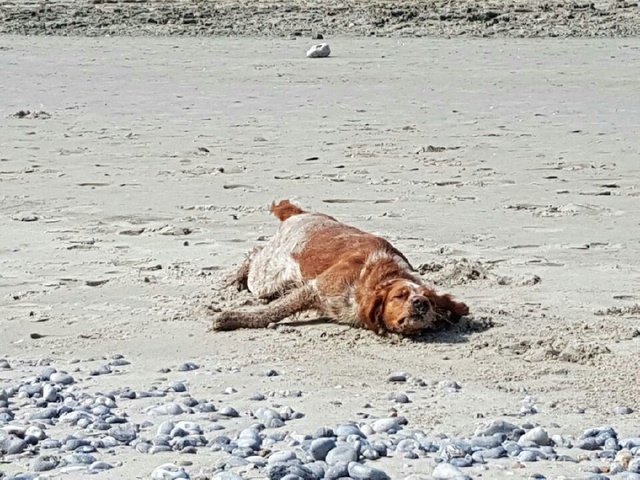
319, 51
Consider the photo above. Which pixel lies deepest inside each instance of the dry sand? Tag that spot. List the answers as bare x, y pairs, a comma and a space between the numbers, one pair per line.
508, 170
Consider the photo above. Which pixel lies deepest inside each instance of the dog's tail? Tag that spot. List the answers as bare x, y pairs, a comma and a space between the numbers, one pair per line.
285, 209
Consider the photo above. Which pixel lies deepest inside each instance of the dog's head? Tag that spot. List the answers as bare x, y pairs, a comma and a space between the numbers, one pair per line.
402, 306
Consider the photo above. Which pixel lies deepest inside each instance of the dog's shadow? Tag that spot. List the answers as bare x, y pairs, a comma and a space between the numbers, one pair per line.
444, 332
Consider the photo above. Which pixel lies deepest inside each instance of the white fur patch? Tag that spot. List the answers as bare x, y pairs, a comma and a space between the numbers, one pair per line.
384, 255
273, 268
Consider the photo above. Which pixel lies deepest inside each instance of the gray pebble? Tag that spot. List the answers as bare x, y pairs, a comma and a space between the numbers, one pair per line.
44, 463
143, 447
339, 470
191, 427
622, 411
397, 377
358, 471
445, 471
565, 458
348, 429
562, 441
109, 442
79, 459
528, 456
538, 436
172, 409
589, 443
450, 386
461, 462
75, 443
179, 387
487, 442
386, 425
4, 364
317, 469
494, 426
100, 466
595, 432
124, 433
490, 453
46, 373
270, 373
100, 410
61, 378
370, 454
31, 389
44, 414
402, 398
114, 419
13, 446
119, 362
323, 432
130, 394
286, 413
512, 448
630, 443
257, 397
165, 428
282, 456
36, 432
250, 439
379, 447
269, 417
227, 476
407, 445
50, 444
229, 412
320, 447
232, 462
344, 453
256, 460
102, 370
187, 367
168, 471
615, 468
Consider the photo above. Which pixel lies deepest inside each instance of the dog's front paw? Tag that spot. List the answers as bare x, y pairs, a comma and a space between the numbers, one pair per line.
457, 311
460, 309
225, 321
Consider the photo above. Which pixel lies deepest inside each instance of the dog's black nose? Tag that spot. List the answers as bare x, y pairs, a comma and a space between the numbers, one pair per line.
421, 303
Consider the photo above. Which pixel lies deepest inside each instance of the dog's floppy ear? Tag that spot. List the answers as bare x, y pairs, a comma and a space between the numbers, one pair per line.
372, 310
445, 304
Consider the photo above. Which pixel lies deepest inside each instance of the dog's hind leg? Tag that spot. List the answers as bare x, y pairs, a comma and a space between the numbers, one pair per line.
296, 301
240, 278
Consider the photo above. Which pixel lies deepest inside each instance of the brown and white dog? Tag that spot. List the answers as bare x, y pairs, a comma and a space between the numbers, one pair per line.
316, 263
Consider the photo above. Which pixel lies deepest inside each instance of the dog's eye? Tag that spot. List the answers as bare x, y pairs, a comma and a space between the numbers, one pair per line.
400, 296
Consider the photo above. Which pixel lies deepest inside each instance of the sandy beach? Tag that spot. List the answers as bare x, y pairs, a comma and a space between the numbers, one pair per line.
140, 171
